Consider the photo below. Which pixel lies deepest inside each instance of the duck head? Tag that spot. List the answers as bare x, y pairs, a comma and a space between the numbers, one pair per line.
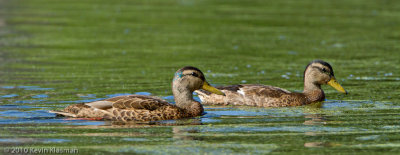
189, 79
319, 72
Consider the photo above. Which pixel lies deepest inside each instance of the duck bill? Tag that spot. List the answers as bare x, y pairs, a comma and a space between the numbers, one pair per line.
336, 85
208, 87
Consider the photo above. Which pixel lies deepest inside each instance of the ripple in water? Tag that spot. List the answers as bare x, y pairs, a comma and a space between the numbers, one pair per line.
9, 96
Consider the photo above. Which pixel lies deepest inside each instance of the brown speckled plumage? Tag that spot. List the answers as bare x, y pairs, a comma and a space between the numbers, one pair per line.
147, 108
316, 73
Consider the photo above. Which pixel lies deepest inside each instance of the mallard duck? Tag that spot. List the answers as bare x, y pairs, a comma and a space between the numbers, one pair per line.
317, 73
147, 108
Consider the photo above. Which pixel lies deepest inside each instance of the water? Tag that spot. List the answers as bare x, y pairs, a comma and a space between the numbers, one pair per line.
53, 54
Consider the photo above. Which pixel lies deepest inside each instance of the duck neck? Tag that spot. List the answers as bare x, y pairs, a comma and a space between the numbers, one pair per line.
184, 99
313, 91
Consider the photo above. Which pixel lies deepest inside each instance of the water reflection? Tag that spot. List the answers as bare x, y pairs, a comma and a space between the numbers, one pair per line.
187, 121
315, 119
182, 133
320, 144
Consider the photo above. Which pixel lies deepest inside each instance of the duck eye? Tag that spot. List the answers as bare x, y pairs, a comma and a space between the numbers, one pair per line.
194, 74
325, 71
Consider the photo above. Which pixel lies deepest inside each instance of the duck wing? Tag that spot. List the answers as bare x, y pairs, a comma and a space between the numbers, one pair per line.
245, 94
142, 108
116, 106
142, 102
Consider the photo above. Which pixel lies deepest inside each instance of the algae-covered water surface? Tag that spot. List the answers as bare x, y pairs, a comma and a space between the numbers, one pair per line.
56, 53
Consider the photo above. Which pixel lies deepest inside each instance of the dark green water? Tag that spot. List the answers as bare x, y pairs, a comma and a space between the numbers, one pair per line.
56, 53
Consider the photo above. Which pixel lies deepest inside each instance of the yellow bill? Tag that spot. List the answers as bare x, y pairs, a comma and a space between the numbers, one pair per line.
208, 87
336, 85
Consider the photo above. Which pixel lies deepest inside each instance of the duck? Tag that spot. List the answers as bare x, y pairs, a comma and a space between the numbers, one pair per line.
317, 73
148, 108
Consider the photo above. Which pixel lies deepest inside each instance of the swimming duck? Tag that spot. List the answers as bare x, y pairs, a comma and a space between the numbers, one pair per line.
317, 73
147, 108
